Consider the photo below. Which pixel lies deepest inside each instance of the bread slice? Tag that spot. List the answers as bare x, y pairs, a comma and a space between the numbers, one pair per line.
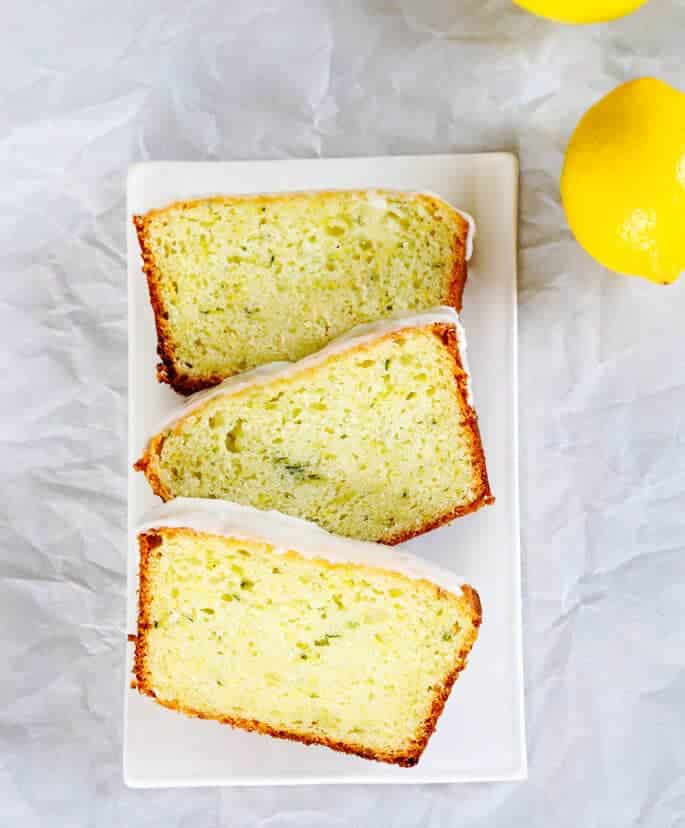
239, 281
374, 437
267, 623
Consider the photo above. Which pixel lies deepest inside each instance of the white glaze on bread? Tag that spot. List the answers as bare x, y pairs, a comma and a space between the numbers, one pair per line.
359, 335
284, 533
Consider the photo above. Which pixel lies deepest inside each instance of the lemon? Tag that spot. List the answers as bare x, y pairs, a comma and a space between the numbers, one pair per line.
623, 183
581, 11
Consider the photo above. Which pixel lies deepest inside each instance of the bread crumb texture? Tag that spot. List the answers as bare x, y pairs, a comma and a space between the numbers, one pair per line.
376, 443
239, 282
345, 655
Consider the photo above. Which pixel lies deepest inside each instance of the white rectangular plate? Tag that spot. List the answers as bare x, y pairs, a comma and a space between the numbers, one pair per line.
480, 735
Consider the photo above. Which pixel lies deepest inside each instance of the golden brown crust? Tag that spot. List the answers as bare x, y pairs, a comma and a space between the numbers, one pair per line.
169, 371
442, 693
448, 336
166, 370
150, 541
484, 496
144, 464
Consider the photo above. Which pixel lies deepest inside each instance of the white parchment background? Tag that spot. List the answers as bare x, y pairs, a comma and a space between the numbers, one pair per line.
87, 88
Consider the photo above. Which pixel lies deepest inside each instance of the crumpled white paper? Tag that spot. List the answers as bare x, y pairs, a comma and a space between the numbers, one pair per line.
88, 88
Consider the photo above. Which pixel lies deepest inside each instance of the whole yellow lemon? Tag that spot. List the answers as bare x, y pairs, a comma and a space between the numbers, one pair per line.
581, 11
623, 182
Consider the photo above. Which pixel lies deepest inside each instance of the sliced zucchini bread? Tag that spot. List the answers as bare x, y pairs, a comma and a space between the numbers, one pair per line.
375, 437
270, 624
239, 281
